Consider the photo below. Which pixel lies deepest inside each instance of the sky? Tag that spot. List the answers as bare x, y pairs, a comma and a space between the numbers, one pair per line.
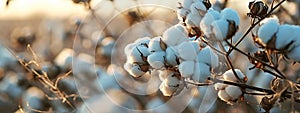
20, 9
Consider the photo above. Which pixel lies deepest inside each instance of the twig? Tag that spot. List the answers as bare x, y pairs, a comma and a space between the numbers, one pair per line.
252, 26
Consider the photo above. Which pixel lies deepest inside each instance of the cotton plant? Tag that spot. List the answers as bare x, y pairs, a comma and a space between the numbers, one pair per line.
279, 37
190, 52
176, 59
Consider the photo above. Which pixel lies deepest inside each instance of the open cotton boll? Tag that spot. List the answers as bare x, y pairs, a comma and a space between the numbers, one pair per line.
229, 76
128, 48
222, 94
171, 56
157, 59
186, 68
144, 40
172, 81
163, 74
198, 8
166, 91
182, 13
185, 3
220, 29
285, 36
175, 35
195, 45
220, 86
207, 56
294, 54
135, 71
186, 51
138, 54
193, 19
155, 44
231, 14
233, 91
201, 72
207, 20
170, 85
267, 30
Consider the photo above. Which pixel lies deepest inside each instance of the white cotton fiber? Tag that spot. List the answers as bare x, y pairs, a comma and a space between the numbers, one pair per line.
229, 76
175, 35
285, 36
171, 56
201, 72
195, 45
207, 20
186, 51
230, 14
198, 8
233, 91
157, 59
138, 54
209, 57
220, 29
268, 29
186, 68
193, 19
294, 54
154, 45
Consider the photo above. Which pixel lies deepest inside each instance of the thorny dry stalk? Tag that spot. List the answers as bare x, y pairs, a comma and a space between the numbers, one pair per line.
35, 69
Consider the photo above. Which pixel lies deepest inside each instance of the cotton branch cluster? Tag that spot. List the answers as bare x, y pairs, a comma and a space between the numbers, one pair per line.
281, 38
193, 48
175, 56
178, 54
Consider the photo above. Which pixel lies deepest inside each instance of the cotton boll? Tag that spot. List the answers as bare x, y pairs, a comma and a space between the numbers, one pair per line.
128, 48
185, 3
171, 56
201, 72
229, 76
198, 8
182, 13
186, 51
230, 14
144, 40
285, 36
193, 20
207, 56
220, 29
154, 44
163, 74
222, 94
169, 86
268, 28
220, 86
294, 54
195, 45
233, 91
175, 35
172, 81
186, 68
138, 54
157, 59
207, 20
64, 58
135, 71
166, 91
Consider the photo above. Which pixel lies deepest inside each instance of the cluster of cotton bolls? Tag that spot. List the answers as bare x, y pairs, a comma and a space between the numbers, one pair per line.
175, 56
284, 37
192, 11
222, 25
230, 93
